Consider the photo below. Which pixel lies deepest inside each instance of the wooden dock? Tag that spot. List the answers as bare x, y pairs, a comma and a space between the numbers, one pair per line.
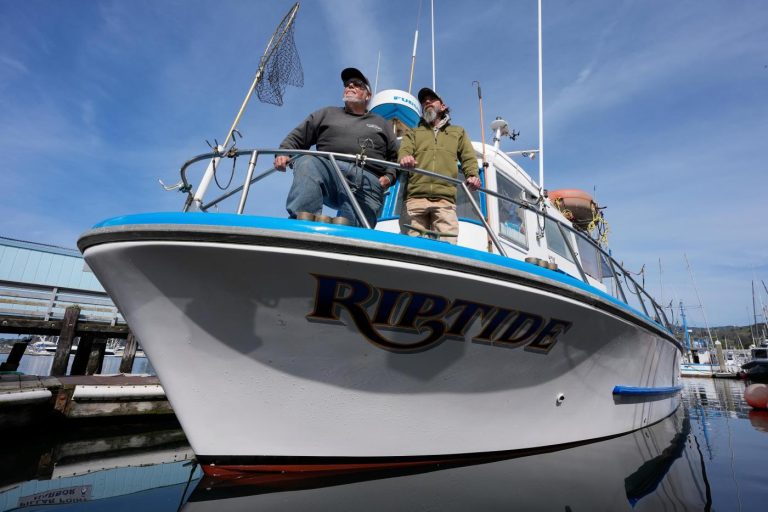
28, 399
69, 314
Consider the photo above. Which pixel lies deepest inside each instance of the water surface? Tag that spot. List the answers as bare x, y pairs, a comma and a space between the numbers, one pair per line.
710, 455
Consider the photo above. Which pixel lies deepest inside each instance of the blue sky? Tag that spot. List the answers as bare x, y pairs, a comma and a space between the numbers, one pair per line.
658, 108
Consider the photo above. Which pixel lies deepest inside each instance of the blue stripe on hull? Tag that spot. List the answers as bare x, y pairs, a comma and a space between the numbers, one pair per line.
280, 224
638, 391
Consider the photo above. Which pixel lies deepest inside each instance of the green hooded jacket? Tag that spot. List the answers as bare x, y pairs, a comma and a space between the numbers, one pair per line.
437, 152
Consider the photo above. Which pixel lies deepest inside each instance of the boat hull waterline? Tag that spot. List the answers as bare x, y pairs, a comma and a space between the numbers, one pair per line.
295, 359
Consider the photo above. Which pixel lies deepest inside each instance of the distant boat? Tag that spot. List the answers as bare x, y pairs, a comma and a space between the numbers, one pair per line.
41, 347
49, 347
756, 368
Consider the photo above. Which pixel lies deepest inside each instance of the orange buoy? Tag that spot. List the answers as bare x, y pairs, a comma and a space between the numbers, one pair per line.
756, 395
576, 205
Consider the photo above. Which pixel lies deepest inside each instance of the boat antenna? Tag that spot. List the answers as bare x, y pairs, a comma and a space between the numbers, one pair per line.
415, 43
376, 83
482, 121
280, 65
541, 113
484, 166
432, 4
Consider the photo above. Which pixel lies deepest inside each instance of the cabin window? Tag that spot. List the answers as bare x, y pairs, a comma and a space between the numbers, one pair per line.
555, 240
464, 208
592, 260
511, 215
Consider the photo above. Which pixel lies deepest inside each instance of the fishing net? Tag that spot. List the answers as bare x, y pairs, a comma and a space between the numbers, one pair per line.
282, 66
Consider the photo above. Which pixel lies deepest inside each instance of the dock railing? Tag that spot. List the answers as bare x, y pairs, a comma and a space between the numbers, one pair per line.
46, 303
624, 286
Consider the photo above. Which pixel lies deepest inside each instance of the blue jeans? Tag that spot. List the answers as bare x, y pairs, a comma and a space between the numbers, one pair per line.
316, 183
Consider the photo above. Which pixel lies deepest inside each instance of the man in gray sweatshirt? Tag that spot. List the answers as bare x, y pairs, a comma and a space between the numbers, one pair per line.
341, 130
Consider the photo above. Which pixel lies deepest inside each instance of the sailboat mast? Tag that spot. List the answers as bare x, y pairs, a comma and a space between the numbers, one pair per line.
754, 312
695, 289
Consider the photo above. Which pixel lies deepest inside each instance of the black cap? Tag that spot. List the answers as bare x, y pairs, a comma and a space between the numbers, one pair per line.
426, 91
348, 73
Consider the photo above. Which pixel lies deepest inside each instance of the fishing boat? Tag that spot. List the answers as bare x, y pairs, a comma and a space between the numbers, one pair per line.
295, 345
756, 369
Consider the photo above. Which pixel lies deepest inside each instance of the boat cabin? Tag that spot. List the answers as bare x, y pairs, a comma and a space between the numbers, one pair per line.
512, 215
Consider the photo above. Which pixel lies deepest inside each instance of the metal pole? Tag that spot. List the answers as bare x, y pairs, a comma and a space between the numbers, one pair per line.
247, 183
573, 253
200, 192
432, 4
350, 195
541, 112
488, 229
413, 59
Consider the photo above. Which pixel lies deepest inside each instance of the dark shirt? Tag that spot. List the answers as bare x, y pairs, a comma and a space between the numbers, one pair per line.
337, 130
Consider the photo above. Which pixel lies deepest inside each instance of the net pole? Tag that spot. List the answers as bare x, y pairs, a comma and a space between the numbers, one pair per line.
268, 52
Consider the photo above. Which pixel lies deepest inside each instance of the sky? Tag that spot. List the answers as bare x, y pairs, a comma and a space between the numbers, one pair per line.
659, 109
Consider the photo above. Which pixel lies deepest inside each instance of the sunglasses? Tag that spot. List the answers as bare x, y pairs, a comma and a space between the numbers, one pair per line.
355, 83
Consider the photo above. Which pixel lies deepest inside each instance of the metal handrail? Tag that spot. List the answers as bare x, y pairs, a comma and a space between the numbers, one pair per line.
660, 315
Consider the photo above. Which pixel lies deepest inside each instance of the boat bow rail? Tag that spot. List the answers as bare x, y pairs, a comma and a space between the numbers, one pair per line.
620, 283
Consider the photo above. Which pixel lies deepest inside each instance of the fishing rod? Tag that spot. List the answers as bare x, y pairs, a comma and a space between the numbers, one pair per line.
484, 165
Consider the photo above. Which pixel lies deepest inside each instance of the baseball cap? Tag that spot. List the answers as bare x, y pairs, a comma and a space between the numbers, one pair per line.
426, 91
349, 73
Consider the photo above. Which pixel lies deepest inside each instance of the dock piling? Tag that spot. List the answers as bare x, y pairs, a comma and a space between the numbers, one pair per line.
67, 335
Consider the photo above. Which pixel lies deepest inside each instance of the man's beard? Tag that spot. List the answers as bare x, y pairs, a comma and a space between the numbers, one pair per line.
430, 114
352, 98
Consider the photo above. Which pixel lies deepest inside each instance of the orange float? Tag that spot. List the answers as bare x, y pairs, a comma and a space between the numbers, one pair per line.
576, 205
756, 395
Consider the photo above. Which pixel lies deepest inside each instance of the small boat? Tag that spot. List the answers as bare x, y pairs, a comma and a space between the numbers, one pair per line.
756, 369
41, 347
289, 345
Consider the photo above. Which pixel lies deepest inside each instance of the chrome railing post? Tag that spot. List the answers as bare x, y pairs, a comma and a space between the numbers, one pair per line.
247, 182
496, 241
348, 190
573, 253
639, 291
616, 279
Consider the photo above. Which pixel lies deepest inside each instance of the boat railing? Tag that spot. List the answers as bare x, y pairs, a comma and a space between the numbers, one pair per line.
634, 295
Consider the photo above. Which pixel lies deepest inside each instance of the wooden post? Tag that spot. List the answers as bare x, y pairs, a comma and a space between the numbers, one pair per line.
96, 359
68, 329
14, 358
80, 363
129, 354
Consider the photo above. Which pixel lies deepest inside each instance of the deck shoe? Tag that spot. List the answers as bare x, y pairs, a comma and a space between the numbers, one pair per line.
305, 216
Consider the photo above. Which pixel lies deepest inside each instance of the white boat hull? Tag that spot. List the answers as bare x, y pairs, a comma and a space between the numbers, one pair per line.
261, 366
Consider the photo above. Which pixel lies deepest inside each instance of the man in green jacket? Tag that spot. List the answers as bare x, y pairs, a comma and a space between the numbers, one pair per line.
435, 145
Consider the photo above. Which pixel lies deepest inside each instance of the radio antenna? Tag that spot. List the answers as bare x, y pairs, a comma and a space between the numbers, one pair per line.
415, 43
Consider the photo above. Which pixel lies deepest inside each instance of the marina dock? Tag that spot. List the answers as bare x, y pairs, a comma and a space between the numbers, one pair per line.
26, 399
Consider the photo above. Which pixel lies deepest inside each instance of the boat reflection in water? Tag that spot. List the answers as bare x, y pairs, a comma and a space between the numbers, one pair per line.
656, 468
95, 467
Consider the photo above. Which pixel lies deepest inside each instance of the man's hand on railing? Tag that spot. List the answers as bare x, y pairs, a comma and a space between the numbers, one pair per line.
473, 182
408, 161
385, 181
281, 161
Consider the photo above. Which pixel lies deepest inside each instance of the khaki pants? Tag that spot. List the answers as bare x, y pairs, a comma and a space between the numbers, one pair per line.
424, 215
